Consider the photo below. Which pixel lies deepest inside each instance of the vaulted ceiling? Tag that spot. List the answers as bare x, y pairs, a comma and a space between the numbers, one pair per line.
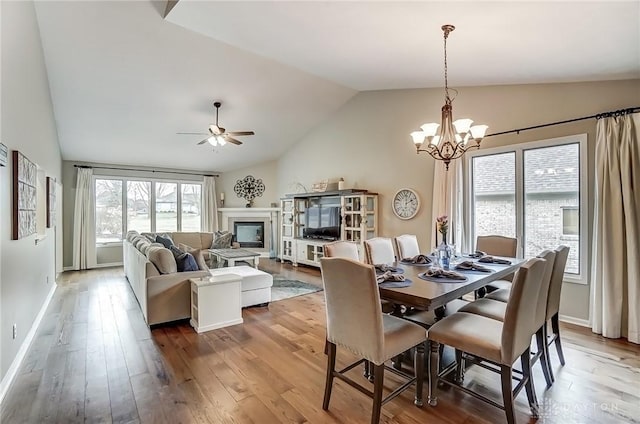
124, 79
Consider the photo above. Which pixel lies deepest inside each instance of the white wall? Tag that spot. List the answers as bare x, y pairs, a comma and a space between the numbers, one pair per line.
27, 269
367, 142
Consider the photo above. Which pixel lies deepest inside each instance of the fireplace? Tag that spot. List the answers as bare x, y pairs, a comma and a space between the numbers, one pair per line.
268, 217
249, 233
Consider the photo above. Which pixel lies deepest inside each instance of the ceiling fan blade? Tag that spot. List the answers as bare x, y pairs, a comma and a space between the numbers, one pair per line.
203, 141
241, 133
232, 140
189, 133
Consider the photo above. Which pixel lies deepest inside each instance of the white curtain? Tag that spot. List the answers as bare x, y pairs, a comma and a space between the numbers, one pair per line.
615, 268
209, 205
84, 245
448, 200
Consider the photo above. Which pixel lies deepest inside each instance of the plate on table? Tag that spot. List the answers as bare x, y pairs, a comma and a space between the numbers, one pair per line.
395, 284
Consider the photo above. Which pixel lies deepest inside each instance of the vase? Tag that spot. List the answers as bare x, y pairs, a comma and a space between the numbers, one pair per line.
445, 252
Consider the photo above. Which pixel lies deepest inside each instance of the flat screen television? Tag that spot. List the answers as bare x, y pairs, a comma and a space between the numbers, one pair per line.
322, 218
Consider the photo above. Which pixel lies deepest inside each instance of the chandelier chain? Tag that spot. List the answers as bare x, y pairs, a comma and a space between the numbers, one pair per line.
446, 75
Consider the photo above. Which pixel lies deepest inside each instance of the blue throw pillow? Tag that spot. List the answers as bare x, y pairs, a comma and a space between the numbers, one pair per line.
165, 240
184, 261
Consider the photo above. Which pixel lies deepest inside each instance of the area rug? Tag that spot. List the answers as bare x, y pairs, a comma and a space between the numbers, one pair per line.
285, 288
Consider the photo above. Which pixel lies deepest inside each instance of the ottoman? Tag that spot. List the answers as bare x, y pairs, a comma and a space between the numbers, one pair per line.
255, 285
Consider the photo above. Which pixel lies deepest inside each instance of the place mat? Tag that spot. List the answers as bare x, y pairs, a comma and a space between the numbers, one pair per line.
395, 284
381, 269
435, 276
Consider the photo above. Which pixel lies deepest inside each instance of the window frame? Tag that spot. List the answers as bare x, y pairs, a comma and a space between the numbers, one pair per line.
518, 149
152, 202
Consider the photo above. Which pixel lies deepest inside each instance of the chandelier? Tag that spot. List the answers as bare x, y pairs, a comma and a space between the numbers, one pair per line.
454, 138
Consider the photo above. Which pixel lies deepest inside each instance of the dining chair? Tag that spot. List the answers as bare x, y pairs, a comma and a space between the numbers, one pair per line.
496, 342
379, 251
496, 309
497, 246
407, 246
342, 249
553, 303
355, 322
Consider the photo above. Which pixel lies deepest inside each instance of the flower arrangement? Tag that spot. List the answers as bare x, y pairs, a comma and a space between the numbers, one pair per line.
442, 223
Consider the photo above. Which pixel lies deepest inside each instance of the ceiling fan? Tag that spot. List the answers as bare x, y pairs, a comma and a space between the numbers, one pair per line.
219, 136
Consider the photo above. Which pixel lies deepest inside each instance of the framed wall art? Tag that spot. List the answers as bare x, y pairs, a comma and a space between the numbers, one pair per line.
24, 196
51, 202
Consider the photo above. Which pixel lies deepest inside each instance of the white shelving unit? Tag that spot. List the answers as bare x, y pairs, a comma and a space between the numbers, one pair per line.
359, 222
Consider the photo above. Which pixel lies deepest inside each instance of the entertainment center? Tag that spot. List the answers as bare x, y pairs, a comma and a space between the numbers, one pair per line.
311, 220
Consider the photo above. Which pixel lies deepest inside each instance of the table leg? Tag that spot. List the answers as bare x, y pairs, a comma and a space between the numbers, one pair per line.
440, 311
256, 259
434, 366
232, 262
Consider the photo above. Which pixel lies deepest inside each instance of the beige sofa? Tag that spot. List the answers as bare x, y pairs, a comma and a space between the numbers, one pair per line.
164, 294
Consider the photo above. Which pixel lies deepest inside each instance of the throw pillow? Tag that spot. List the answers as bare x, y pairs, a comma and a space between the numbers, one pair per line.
198, 254
184, 261
222, 240
165, 240
163, 259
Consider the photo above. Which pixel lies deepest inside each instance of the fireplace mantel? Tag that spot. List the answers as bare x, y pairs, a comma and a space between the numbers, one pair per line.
270, 216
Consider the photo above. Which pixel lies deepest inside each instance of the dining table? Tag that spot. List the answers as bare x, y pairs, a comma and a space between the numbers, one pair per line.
427, 295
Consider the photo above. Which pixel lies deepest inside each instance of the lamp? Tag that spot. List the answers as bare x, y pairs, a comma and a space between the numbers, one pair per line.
454, 138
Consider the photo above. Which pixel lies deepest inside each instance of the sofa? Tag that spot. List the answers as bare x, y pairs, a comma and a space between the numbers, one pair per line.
164, 294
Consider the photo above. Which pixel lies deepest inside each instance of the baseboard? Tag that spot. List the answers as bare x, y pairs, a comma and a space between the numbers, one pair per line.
70, 268
22, 352
576, 321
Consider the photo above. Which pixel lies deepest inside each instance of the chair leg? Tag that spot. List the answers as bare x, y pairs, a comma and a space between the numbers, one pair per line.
459, 367
525, 360
326, 347
434, 367
378, 380
367, 371
544, 359
545, 337
418, 366
331, 366
555, 326
507, 393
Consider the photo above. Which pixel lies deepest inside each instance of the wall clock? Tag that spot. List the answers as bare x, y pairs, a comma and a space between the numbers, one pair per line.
405, 203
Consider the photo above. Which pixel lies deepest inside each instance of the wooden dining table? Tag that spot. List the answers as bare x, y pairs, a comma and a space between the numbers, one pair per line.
430, 295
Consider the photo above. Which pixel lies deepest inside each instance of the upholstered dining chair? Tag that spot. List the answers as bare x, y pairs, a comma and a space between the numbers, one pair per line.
407, 246
553, 303
379, 251
342, 249
356, 323
497, 342
496, 309
497, 246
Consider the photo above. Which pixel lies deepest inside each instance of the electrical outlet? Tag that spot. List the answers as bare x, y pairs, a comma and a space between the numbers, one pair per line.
15, 331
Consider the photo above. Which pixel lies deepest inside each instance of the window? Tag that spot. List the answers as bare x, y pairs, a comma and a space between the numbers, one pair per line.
122, 205
191, 200
166, 207
534, 192
108, 210
139, 206
570, 221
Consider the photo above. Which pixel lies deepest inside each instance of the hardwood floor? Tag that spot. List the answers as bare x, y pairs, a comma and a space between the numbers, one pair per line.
94, 360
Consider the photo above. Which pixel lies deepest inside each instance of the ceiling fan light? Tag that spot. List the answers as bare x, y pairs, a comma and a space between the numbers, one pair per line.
212, 141
221, 140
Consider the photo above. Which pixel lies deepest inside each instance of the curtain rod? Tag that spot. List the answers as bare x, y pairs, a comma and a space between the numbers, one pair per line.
145, 170
613, 113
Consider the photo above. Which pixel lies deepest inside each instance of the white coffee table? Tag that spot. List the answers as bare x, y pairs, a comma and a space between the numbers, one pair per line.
234, 255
